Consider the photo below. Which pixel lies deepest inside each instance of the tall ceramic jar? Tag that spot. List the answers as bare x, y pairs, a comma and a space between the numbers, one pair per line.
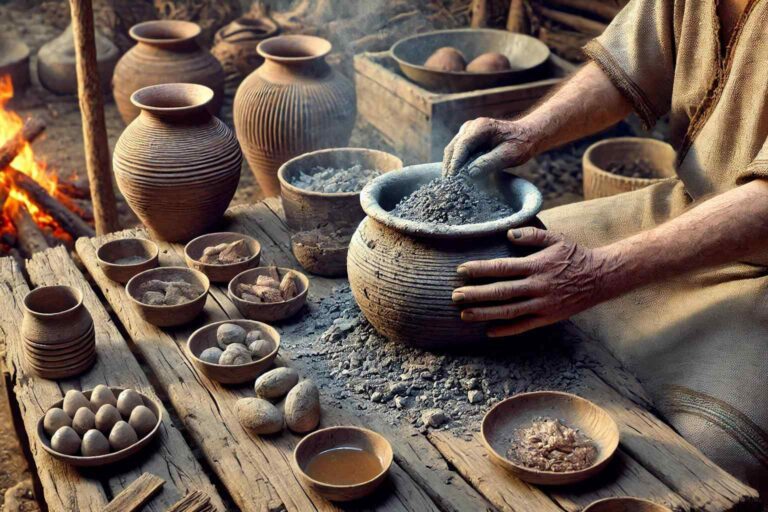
292, 104
166, 52
235, 45
176, 164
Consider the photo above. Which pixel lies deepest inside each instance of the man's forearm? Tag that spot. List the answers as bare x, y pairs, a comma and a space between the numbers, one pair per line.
729, 227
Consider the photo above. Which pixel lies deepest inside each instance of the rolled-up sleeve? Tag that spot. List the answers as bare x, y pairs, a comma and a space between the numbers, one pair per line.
637, 53
757, 169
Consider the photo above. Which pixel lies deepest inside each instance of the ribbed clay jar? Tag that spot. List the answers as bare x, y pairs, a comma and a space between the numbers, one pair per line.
176, 164
292, 104
54, 315
166, 52
402, 273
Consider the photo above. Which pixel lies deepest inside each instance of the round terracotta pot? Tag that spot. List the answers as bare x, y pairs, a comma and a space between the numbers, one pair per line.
235, 44
292, 104
402, 273
54, 315
176, 164
167, 52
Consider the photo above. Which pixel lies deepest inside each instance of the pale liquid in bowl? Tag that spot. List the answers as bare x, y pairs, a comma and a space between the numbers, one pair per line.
343, 466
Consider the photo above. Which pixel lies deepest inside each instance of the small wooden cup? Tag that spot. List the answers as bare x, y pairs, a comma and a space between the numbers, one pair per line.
205, 337
625, 504
110, 252
110, 458
193, 251
339, 437
271, 312
169, 316
501, 422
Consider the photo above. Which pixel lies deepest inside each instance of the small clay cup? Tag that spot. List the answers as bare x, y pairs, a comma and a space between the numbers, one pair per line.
110, 252
321, 257
273, 312
169, 316
339, 437
625, 504
54, 314
205, 337
110, 458
501, 422
193, 251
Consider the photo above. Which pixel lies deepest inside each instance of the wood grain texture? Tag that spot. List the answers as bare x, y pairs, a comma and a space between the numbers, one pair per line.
133, 497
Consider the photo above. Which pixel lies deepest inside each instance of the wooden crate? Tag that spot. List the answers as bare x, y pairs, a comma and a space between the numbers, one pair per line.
418, 123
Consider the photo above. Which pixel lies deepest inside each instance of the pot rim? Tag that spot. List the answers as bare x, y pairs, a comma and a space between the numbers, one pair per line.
191, 98
269, 45
78, 295
193, 30
530, 198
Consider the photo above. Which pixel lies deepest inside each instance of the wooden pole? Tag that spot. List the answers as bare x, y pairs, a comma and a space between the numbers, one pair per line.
97, 158
517, 19
480, 13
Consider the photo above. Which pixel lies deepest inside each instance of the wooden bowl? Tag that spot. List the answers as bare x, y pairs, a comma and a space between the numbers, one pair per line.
272, 312
193, 251
205, 337
526, 54
108, 254
500, 423
625, 504
168, 316
110, 458
340, 437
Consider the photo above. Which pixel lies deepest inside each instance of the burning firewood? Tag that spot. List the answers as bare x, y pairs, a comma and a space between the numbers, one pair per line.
30, 131
30, 238
80, 207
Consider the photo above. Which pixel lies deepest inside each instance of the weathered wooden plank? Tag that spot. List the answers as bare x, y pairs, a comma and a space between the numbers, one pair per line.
133, 497
65, 487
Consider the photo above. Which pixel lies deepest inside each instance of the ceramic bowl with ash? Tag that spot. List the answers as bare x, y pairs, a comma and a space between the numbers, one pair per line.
625, 504
113, 456
240, 252
206, 337
322, 251
168, 296
403, 272
268, 311
343, 463
122, 259
527, 56
504, 422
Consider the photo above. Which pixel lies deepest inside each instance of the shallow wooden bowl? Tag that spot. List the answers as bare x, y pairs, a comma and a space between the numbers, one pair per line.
205, 337
625, 504
168, 316
339, 437
501, 422
193, 251
110, 458
110, 252
275, 311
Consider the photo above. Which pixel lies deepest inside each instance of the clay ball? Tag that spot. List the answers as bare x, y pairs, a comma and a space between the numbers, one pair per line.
84, 420
252, 336
55, 419
94, 443
106, 417
211, 355
122, 436
235, 355
259, 416
489, 62
101, 395
227, 334
276, 383
127, 401
74, 400
446, 58
302, 407
66, 441
260, 348
142, 420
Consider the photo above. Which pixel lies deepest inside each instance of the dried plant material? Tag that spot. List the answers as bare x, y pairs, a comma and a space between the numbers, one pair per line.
260, 294
549, 445
273, 273
270, 288
168, 293
267, 281
226, 253
288, 287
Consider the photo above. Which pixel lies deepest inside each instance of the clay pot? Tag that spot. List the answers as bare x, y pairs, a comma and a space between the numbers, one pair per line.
56, 62
402, 272
235, 44
167, 52
294, 103
14, 61
176, 164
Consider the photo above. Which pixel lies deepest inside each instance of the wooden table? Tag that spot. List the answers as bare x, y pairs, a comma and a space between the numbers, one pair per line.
203, 447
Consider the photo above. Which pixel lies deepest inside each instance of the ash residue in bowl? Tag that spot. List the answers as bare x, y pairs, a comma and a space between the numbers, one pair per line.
168, 293
548, 444
451, 200
638, 168
333, 181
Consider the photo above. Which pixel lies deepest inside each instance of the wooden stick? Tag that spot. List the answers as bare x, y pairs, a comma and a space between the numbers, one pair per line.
80, 207
195, 501
599, 9
76, 189
134, 496
581, 24
97, 158
31, 129
517, 19
29, 237
480, 14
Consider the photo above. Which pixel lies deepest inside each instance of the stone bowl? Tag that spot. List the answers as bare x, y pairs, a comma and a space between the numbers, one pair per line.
217, 273
625, 504
273, 312
110, 458
500, 423
526, 54
169, 316
14, 61
339, 437
108, 254
205, 337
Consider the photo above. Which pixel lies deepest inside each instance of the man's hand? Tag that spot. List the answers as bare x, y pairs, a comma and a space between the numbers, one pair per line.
550, 285
503, 144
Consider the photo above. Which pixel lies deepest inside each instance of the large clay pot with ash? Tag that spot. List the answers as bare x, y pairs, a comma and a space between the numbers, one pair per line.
166, 52
292, 104
176, 164
403, 272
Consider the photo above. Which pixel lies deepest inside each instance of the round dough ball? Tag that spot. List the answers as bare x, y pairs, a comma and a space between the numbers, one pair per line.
106, 418
94, 443
74, 400
302, 407
211, 355
227, 334
489, 62
276, 383
127, 401
259, 416
253, 336
235, 356
142, 420
261, 348
101, 395
446, 58
122, 436
66, 441
84, 420
54, 419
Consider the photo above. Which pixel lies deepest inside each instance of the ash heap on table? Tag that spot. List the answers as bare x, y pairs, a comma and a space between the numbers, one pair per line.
330, 180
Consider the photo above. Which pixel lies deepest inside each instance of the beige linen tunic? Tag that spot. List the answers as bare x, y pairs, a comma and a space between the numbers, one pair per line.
699, 342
